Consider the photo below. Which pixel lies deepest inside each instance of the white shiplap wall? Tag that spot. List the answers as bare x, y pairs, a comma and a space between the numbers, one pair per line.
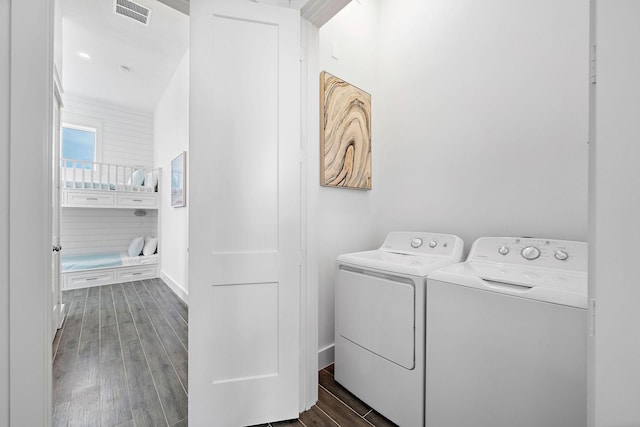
85, 230
126, 138
126, 135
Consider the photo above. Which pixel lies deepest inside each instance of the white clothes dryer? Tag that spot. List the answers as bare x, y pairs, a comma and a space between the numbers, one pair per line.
380, 321
507, 336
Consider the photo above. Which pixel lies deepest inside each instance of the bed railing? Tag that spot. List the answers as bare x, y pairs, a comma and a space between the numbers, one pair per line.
82, 174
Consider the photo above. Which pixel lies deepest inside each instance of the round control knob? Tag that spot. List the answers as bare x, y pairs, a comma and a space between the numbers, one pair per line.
433, 244
503, 250
416, 242
530, 253
561, 255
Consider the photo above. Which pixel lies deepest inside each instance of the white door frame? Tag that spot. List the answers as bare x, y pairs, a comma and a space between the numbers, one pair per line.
30, 213
5, 116
58, 306
614, 351
310, 131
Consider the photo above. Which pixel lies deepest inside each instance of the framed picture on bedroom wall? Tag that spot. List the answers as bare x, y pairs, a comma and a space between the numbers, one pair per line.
178, 180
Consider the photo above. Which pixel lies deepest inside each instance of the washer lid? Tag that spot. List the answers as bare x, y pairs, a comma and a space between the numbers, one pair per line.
543, 284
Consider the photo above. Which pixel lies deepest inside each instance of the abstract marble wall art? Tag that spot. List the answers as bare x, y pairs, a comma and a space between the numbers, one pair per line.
345, 134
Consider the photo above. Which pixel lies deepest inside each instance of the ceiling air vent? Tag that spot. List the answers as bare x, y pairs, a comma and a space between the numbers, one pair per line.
132, 10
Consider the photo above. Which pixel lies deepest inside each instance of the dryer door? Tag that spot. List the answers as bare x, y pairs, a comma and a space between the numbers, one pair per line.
377, 312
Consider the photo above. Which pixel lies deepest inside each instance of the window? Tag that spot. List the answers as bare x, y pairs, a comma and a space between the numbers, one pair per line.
78, 143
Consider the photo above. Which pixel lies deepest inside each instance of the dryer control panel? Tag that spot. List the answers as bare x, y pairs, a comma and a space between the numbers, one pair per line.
543, 253
422, 243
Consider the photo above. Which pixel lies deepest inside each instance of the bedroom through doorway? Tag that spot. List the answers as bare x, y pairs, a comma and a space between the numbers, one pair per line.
119, 268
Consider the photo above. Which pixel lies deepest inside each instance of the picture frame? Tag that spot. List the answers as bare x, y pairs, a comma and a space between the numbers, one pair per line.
178, 180
345, 134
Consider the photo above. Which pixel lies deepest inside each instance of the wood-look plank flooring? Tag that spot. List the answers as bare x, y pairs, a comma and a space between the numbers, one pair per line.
336, 407
120, 359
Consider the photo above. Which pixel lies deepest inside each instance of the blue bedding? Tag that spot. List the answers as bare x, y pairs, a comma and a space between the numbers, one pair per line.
91, 261
88, 185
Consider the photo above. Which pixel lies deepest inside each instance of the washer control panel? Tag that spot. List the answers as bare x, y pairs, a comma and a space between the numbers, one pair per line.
545, 253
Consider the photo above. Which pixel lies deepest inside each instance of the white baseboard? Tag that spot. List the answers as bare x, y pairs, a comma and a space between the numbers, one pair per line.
177, 289
326, 356
63, 314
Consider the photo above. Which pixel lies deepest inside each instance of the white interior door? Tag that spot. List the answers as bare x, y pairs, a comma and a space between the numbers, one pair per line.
56, 286
245, 246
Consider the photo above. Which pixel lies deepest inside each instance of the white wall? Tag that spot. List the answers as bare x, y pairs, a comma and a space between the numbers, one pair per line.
483, 118
345, 218
5, 32
614, 213
57, 37
171, 136
85, 230
480, 123
126, 138
126, 134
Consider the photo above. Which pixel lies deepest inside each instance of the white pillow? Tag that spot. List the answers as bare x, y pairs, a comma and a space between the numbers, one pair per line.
151, 180
136, 178
135, 247
150, 245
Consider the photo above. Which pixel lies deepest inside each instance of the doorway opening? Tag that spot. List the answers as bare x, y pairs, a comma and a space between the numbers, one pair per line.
121, 353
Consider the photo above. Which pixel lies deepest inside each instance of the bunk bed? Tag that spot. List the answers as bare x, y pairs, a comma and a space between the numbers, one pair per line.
97, 185
105, 185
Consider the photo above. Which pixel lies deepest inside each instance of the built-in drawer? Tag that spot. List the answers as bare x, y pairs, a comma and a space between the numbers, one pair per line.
141, 200
85, 279
87, 198
141, 272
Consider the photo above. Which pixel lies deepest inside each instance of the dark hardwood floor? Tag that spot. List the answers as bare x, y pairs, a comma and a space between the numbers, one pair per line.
121, 357
121, 360
336, 407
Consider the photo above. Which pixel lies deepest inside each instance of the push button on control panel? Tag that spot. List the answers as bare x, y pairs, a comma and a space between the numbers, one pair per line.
561, 255
503, 250
433, 244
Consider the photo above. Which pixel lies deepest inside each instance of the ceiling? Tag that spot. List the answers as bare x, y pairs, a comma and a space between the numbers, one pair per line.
150, 53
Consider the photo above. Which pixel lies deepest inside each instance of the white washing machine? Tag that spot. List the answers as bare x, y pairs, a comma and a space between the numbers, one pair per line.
507, 336
380, 319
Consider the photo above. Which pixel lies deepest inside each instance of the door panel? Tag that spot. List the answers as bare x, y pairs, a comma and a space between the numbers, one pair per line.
247, 221
244, 254
249, 348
